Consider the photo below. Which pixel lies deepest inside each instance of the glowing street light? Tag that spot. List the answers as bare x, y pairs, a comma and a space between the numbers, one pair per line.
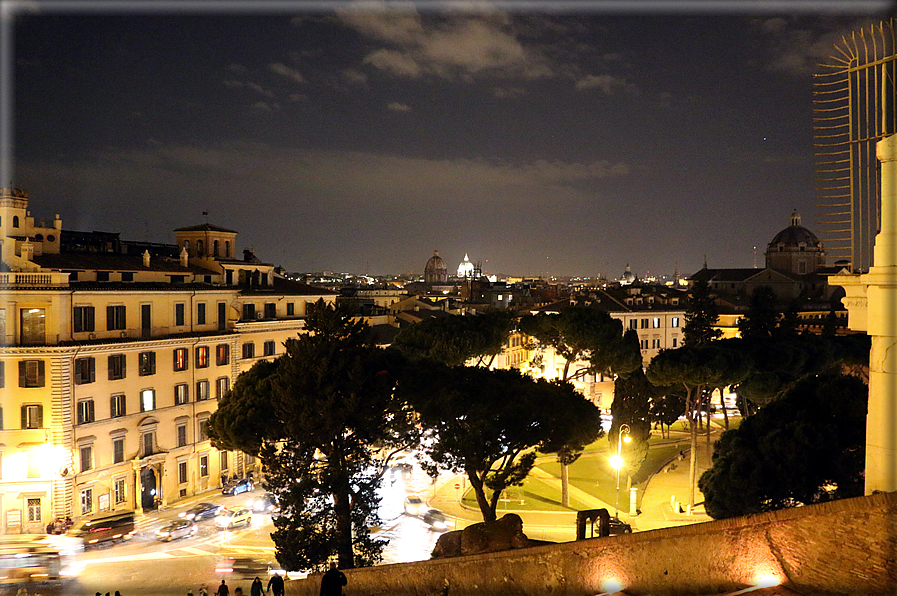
616, 461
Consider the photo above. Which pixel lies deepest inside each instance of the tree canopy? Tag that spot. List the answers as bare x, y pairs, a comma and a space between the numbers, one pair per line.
330, 411
488, 423
455, 340
588, 335
806, 447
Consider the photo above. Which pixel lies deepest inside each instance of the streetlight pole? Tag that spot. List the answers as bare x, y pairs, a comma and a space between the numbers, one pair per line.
617, 461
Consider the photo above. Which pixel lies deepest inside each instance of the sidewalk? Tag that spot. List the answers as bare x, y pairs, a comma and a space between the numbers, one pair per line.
668, 485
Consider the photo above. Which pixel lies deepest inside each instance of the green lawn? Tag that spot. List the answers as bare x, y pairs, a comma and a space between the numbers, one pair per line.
593, 475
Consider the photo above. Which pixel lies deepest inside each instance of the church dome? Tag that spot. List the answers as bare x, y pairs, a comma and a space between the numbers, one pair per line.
628, 276
465, 269
795, 235
435, 271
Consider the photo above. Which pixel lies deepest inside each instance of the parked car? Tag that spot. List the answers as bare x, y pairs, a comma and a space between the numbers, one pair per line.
414, 505
618, 526
228, 518
175, 530
436, 520
235, 487
201, 511
266, 503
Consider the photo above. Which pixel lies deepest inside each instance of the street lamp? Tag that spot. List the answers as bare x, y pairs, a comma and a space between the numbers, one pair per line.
616, 461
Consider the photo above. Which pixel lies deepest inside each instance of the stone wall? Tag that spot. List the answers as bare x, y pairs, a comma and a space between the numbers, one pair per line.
843, 547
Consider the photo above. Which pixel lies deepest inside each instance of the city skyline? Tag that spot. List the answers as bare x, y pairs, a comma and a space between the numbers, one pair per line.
363, 136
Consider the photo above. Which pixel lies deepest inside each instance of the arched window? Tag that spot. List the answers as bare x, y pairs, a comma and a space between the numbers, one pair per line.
187, 246
215, 248
199, 248
15, 221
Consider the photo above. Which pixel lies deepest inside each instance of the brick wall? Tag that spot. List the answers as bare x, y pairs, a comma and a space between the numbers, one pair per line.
844, 547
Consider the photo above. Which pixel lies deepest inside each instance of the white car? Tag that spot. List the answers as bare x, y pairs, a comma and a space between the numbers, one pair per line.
175, 530
228, 518
414, 505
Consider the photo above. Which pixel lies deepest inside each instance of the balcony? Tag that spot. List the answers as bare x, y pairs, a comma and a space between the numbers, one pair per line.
20, 279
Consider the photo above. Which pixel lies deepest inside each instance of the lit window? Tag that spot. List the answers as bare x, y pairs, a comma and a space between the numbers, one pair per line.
181, 395
33, 329
147, 400
117, 405
32, 416
85, 411
203, 465
33, 511
202, 356
222, 354
675, 322
119, 485
181, 359
656, 322
86, 501
202, 390
221, 387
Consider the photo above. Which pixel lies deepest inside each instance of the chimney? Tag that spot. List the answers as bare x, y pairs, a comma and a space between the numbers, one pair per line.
27, 251
146, 258
184, 257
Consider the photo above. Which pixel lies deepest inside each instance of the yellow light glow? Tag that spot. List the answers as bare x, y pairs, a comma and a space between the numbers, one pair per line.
766, 580
626, 438
610, 586
616, 462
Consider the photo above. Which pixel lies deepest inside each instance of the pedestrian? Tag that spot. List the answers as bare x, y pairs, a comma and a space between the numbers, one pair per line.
238, 591
22, 592
275, 584
203, 590
223, 590
256, 589
333, 581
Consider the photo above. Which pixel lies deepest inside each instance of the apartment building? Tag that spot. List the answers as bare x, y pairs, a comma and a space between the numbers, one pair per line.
118, 353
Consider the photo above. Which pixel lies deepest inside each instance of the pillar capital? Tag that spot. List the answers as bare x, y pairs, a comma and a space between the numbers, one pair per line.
886, 149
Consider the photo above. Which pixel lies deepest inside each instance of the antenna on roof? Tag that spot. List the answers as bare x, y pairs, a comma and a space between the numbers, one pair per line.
206, 215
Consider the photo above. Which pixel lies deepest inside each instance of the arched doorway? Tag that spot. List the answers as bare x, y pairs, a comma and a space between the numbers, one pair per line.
148, 488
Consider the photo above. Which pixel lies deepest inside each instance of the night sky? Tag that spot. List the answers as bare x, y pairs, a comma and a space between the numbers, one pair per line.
540, 139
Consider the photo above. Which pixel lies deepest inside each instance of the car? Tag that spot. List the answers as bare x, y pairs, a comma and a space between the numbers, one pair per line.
228, 518
243, 567
201, 511
618, 526
119, 526
436, 520
414, 505
266, 503
175, 530
235, 487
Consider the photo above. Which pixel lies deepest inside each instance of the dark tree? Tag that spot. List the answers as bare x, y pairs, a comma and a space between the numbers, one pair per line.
633, 396
330, 412
807, 447
762, 316
701, 316
455, 340
667, 409
488, 424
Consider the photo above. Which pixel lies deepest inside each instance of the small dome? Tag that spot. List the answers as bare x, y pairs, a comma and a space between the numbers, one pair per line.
435, 271
628, 276
795, 235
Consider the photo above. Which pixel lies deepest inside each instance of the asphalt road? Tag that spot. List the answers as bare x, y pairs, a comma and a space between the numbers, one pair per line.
145, 566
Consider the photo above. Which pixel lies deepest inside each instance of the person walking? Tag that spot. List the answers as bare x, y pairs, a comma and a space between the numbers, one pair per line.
275, 584
256, 589
223, 590
333, 581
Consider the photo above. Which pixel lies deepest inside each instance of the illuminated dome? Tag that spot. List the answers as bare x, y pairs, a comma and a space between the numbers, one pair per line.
435, 272
628, 276
795, 249
465, 269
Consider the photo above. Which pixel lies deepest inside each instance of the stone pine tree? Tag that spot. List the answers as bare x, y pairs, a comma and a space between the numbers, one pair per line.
488, 424
319, 417
633, 396
589, 341
762, 316
806, 447
458, 340
695, 370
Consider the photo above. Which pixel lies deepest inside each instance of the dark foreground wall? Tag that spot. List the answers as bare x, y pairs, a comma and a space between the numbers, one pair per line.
844, 547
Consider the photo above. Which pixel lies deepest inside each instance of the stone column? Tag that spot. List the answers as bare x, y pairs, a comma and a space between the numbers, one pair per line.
881, 293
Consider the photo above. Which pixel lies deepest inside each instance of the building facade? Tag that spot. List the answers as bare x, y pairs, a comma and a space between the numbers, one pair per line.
116, 361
